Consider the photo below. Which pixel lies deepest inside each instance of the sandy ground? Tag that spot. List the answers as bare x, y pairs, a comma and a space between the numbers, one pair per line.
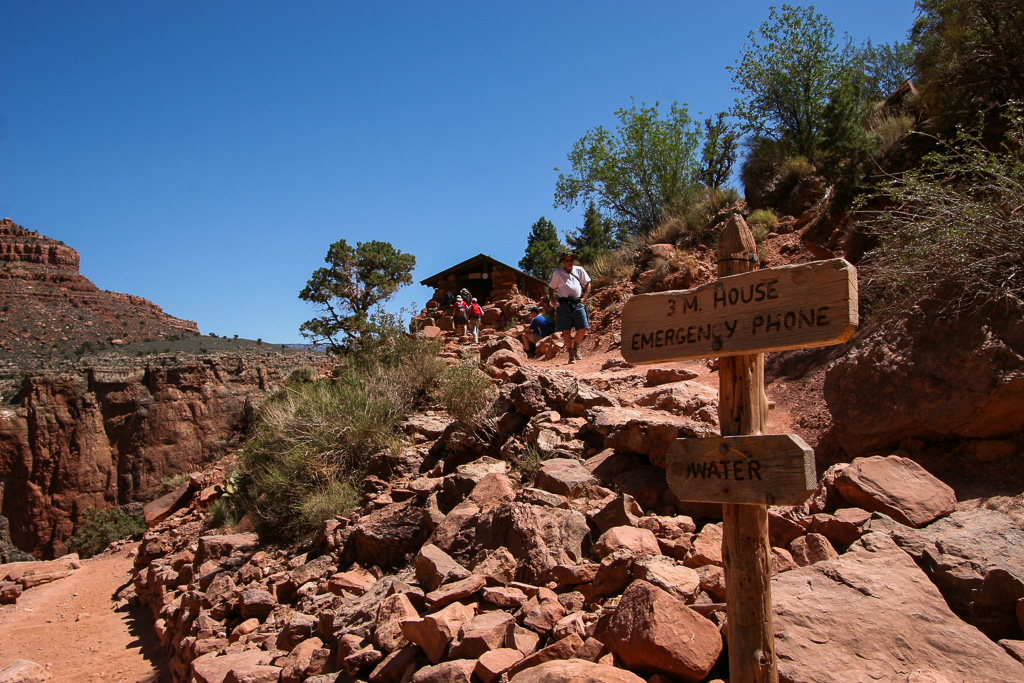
74, 628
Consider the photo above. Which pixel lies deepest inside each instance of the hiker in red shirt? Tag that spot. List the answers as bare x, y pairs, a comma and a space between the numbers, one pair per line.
475, 315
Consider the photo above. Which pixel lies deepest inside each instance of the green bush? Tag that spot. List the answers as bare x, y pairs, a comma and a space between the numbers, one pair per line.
795, 169
612, 266
527, 462
311, 442
170, 483
890, 129
336, 498
221, 513
762, 158
306, 373
689, 225
765, 219
760, 233
99, 528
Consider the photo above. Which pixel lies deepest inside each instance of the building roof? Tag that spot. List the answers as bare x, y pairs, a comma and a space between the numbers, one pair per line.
471, 264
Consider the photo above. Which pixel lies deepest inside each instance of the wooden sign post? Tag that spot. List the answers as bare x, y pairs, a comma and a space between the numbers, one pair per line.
738, 317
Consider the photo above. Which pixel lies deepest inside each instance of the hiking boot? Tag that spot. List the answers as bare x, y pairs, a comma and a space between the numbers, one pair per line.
572, 355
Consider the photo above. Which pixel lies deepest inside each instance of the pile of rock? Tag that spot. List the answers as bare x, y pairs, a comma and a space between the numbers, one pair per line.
461, 570
505, 309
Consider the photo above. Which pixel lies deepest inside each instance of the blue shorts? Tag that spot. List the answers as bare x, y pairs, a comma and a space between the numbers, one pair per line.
571, 316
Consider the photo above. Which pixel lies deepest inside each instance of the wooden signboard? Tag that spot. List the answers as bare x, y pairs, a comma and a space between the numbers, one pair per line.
768, 469
790, 307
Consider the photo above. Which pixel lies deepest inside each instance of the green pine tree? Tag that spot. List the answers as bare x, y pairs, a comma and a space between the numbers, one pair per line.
597, 236
542, 250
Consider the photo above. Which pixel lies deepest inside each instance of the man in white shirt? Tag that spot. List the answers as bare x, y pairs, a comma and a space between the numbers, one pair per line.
572, 286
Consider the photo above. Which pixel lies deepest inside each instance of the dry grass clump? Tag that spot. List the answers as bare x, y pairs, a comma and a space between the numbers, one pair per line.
680, 268
684, 228
466, 393
765, 219
311, 443
613, 265
889, 130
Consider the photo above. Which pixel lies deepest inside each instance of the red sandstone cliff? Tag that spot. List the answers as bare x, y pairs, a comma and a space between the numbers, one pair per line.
83, 429
100, 437
48, 309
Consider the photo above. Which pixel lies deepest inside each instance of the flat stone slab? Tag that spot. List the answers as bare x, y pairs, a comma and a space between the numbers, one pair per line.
873, 615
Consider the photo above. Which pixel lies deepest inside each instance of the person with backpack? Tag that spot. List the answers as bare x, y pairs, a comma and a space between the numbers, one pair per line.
476, 314
459, 313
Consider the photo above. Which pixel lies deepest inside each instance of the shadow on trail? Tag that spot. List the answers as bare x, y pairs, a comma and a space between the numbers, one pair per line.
139, 622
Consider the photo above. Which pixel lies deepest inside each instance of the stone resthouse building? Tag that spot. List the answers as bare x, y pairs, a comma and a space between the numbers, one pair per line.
504, 293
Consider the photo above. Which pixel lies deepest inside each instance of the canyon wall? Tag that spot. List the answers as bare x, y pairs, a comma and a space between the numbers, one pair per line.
105, 436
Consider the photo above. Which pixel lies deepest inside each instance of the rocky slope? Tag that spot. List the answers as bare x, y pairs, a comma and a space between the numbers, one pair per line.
104, 395
469, 567
48, 310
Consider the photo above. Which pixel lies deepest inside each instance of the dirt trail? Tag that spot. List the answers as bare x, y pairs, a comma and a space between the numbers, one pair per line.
73, 627
781, 420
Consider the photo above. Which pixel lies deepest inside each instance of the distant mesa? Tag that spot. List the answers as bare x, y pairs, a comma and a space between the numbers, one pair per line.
48, 309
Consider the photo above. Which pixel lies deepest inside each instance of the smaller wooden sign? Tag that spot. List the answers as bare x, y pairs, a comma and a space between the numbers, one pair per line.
768, 469
789, 307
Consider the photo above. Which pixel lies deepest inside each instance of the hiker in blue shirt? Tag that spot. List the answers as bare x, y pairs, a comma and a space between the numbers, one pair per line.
540, 327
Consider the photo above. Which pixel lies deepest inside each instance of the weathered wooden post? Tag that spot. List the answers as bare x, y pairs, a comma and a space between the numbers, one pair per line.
737, 318
746, 554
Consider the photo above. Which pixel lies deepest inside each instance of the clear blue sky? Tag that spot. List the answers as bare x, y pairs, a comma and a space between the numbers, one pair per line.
203, 155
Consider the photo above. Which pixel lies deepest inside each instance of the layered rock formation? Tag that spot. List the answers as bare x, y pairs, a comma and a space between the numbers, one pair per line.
83, 429
104, 436
48, 309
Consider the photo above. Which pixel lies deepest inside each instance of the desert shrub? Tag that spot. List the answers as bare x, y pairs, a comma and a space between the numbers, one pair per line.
795, 169
700, 215
681, 260
168, 483
99, 528
308, 439
614, 265
311, 441
527, 462
671, 230
221, 514
952, 233
657, 269
721, 198
466, 393
764, 219
761, 160
760, 233
891, 129
306, 373
336, 498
